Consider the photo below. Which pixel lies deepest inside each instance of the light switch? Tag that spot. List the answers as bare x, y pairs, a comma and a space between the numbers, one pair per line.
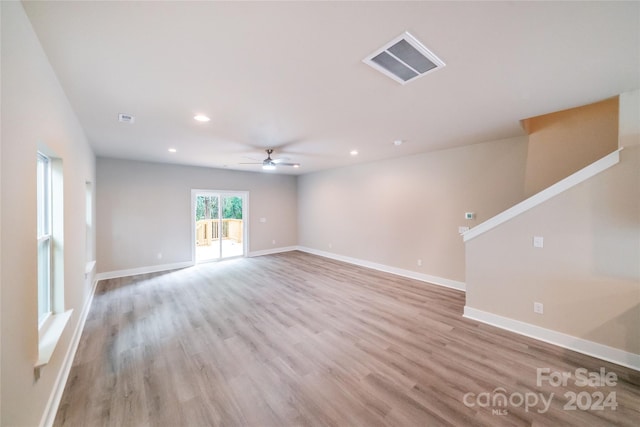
263, 219
538, 241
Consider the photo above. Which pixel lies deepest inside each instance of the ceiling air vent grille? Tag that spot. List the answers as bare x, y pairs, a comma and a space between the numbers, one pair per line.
404, 59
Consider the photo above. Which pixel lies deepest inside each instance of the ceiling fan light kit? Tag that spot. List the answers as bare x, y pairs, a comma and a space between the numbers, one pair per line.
270, 164
201, 118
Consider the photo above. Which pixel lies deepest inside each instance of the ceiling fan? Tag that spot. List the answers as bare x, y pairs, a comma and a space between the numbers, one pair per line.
270, 164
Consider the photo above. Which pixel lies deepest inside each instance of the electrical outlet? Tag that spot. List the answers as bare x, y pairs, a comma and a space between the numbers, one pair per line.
273, 242
538, 307
159, 255
419, 263
330, 245
462, 229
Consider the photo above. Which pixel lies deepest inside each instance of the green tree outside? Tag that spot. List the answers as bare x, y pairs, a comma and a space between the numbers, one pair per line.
207, 207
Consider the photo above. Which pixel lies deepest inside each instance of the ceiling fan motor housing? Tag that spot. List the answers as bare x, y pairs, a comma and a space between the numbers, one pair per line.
268, 161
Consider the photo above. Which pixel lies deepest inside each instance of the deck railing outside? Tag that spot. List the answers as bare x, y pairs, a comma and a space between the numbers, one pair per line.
207, 231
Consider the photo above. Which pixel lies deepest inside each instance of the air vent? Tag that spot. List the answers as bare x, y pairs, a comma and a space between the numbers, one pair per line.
404, 59
126, 118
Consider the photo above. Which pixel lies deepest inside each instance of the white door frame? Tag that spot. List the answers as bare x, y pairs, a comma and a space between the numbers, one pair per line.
245, 216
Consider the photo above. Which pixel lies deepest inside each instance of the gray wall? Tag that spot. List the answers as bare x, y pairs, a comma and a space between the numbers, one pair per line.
401, 210
35, 111
144, 209
588, 273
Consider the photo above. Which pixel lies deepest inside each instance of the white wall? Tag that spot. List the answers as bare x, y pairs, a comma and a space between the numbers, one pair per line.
35, 111
587, 275
401, 210
144, 209
0, 249
629, 127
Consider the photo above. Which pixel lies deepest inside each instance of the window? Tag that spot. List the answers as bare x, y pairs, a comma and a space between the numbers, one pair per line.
52, 317
88, 222
44, 238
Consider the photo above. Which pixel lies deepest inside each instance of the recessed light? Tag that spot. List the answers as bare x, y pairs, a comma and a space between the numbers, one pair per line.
296, 165
398, 142
201, 118
172, 150
354, 152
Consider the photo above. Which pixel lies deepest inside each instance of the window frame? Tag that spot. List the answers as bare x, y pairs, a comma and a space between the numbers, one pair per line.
53, 318
44, 239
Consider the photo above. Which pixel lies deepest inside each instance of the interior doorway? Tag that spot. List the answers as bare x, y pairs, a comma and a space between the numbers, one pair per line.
219, 224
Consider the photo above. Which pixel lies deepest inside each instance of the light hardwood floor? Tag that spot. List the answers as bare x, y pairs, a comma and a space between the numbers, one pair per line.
295, 339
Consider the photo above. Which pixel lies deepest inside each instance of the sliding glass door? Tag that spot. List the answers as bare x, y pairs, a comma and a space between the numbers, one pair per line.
219, 224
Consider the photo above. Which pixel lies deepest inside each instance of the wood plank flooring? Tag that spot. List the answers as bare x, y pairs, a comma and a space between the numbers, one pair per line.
294, 339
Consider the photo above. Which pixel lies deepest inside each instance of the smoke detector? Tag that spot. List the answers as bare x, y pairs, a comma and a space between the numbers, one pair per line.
404, 59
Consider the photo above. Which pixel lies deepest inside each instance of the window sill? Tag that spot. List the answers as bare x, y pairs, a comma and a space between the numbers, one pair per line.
49, 335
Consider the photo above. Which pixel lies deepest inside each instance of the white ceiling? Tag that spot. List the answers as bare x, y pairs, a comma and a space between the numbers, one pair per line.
289, 75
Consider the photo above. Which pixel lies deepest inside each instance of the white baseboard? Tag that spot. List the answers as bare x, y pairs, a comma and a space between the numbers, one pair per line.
272, 251
142, 270
590, 348
53, 403
440, 281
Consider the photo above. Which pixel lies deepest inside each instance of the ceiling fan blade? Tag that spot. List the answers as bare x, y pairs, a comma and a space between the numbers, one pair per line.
254, 158
269, 162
